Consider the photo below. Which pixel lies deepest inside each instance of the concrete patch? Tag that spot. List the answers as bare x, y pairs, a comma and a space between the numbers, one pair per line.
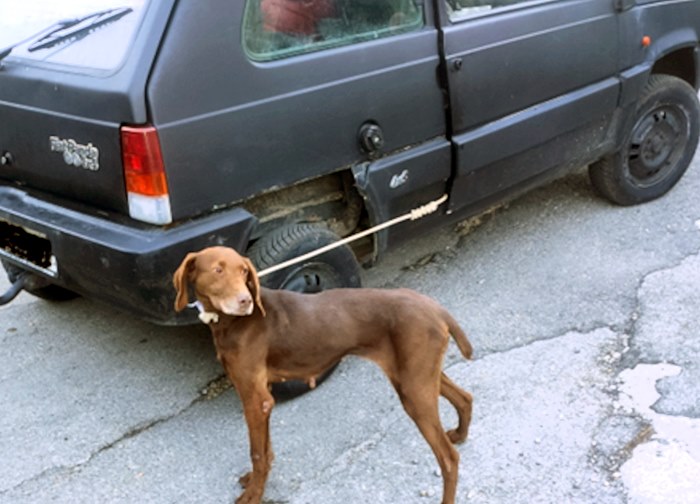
667, 331
667, 468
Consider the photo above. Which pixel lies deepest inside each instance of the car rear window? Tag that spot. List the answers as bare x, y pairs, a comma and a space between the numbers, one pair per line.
280, 28
52, 33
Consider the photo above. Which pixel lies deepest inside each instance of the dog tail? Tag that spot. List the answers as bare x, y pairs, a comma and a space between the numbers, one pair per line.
459, 336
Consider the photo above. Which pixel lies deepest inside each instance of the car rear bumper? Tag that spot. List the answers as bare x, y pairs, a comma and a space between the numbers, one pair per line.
114, 260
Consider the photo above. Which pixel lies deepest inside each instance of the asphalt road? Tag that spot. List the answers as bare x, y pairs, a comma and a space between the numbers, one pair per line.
584, 320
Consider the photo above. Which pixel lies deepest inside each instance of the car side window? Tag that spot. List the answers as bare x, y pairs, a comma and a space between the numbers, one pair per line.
274, 29
461, 9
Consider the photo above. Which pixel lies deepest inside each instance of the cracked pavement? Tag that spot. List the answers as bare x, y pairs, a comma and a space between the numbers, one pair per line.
584, 320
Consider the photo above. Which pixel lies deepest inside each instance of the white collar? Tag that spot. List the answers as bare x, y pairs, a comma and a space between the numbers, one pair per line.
204, 316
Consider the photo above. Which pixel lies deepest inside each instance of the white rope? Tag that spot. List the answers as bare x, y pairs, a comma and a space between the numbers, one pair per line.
414, 214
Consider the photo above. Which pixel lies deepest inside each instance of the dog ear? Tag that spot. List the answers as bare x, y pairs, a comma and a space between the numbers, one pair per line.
181, 280
254, 284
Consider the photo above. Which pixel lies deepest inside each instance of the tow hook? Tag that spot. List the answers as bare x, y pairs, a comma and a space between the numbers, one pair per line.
15, 288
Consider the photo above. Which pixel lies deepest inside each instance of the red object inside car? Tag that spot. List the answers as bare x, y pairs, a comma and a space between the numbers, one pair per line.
297, 17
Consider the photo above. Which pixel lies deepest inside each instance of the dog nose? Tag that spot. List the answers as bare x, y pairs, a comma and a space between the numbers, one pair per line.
244, 300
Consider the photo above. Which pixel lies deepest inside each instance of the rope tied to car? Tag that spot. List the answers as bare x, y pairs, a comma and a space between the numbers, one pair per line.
415, 214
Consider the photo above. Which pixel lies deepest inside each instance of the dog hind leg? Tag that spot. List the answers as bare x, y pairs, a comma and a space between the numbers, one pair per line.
420, 400
462, 402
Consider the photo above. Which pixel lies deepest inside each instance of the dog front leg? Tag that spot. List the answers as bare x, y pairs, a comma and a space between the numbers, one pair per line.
257, 406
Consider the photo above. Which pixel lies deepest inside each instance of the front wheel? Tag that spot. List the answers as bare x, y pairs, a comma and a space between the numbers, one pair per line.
333, 269
658, 148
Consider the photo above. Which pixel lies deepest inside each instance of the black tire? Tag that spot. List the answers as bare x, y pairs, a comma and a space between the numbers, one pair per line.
658, 148
336, 268
41, 289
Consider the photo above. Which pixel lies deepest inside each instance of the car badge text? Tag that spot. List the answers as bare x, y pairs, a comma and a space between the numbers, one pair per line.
399, 179
75, 154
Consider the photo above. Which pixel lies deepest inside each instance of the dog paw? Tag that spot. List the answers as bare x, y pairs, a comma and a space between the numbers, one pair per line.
250, 496
456, 437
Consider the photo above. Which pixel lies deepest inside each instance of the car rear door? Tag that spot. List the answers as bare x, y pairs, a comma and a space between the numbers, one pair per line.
532, 85
269, 96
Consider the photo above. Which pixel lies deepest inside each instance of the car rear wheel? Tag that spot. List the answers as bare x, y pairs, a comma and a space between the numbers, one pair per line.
658, 148
333, 269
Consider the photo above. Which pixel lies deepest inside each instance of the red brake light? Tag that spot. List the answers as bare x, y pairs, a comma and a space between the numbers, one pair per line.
144, 174
143, 161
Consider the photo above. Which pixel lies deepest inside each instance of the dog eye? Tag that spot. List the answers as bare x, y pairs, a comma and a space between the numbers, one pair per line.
218, 269
244, 271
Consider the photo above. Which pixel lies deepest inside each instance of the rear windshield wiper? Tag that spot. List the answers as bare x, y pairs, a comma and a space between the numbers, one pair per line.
69, 29
55, 26
76, 29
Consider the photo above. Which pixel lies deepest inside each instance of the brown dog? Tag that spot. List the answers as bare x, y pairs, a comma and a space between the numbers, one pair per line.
264, 336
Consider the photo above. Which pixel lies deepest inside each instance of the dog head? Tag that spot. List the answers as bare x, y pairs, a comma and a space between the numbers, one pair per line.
223, 281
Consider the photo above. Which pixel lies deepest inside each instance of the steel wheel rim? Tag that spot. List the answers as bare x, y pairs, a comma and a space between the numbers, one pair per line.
657, 145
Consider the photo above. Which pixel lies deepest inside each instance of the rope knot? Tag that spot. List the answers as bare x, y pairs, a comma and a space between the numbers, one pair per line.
428, 208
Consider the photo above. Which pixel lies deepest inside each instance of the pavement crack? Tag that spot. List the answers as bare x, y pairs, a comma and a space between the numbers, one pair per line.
633, 356
78, 466
131, 433
212, 390
454, 357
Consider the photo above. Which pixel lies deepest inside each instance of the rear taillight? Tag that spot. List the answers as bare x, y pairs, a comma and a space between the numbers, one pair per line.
144, 173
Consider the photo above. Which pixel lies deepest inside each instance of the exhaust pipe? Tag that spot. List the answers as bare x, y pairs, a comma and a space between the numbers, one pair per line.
16, 287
